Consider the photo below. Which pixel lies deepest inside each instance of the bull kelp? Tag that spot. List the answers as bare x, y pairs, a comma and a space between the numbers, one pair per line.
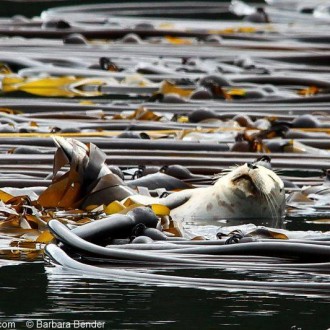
177, 144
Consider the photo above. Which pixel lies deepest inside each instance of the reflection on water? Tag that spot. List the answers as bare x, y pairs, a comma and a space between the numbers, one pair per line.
128, 306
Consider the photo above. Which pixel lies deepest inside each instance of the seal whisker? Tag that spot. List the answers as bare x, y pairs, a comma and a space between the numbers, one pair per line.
272, 200
271, 206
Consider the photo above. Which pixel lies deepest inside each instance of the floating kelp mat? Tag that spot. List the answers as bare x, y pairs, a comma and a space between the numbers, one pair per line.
107, 111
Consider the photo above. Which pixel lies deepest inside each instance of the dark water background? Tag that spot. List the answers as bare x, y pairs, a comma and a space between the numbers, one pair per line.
127, 306
27, 292
32, 8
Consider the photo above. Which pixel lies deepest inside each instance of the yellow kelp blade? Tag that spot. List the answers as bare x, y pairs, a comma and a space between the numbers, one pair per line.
48, 86
67, 86
48, 82
168, 87
236, 92
232, 30
177, 40
309, 91
136, 201
160, 210
114, 207
11, 83
45, 237
5, 197
49, 92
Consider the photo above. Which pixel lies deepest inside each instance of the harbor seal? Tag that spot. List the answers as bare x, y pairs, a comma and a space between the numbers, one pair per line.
250, 191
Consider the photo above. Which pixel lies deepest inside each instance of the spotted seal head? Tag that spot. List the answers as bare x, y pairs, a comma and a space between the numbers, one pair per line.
250, 191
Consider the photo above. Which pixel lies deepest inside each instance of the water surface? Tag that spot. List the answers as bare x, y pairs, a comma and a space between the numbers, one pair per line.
128, 306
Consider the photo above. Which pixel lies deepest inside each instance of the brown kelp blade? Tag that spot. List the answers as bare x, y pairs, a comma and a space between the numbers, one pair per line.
87, 181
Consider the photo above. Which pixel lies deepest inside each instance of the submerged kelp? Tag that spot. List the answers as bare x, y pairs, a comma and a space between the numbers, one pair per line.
172, 104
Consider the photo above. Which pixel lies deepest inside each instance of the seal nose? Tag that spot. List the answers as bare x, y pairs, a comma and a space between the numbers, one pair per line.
252, 166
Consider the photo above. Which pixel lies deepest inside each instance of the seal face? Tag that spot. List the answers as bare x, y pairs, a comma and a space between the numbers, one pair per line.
249, 191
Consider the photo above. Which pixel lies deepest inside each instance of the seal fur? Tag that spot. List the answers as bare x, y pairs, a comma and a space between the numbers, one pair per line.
250, 191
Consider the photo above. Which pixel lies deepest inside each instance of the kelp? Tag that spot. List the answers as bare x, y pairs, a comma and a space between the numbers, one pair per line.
87, 182
51, 86
191, 93
141, 113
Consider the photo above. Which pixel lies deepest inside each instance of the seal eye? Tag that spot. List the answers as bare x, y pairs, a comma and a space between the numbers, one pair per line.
252, 166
